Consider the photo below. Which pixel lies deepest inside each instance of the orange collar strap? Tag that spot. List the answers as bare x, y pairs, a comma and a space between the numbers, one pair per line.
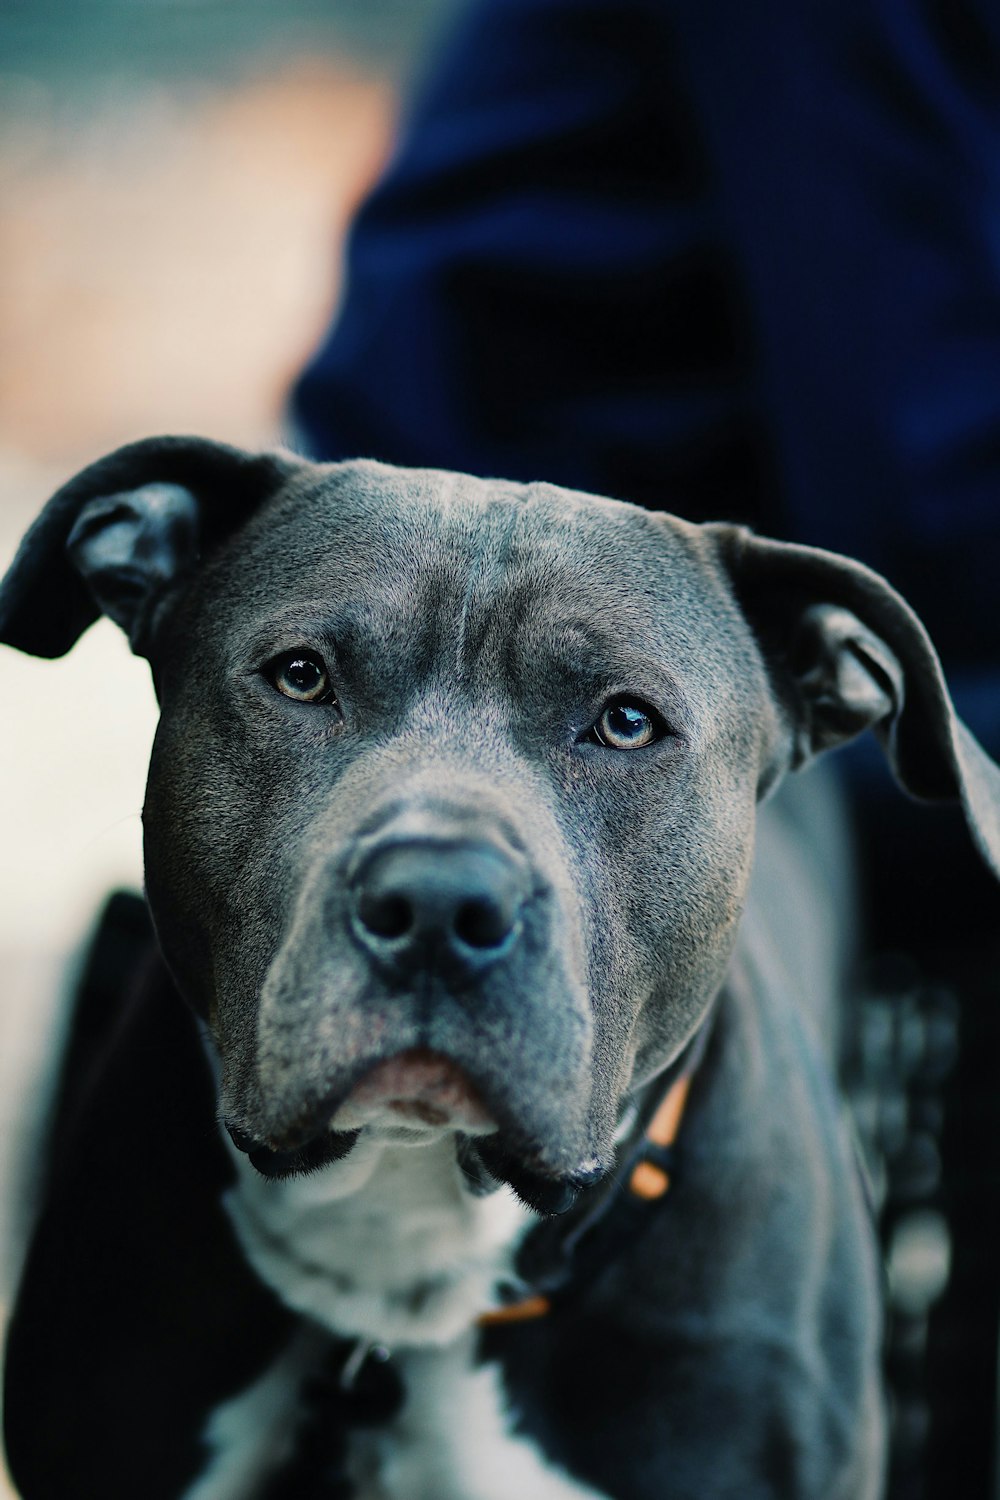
650, 1176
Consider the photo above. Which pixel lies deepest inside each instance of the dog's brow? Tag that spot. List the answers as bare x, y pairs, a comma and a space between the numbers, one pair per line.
591, 659
304, 624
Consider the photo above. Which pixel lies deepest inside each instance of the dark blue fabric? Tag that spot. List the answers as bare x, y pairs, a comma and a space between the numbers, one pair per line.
728, 259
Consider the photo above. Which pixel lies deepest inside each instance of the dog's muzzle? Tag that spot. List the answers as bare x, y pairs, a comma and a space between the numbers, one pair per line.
420, 990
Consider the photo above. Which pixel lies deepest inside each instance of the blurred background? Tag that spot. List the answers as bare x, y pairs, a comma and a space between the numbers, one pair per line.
175, 180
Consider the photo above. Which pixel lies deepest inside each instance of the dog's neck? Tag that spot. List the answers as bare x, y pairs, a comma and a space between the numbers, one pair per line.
387, 1245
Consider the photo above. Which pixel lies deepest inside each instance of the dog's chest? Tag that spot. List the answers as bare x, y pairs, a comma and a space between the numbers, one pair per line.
386, 1246
454, 1438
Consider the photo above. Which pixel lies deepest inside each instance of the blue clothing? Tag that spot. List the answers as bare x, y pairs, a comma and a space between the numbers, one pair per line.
724, 259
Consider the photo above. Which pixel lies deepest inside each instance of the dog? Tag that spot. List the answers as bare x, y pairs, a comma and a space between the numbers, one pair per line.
497, 1151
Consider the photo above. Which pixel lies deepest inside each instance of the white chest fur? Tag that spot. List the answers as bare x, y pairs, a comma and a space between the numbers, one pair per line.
453, 1440
388, 1245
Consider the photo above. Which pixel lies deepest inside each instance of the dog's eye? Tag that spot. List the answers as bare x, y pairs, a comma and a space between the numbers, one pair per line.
627, 724
300, 675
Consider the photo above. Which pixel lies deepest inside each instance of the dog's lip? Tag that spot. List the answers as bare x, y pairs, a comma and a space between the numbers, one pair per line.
416, 1090
419, 1087
423, 1084
327, 1147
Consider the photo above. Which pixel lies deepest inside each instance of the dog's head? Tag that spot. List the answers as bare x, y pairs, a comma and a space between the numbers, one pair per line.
451, 808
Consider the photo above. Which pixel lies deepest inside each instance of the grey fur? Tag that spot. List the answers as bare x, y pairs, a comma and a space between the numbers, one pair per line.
474, 629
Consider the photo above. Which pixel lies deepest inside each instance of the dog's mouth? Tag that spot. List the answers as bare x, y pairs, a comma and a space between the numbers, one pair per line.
418, 1091
412, 1097
415, 1097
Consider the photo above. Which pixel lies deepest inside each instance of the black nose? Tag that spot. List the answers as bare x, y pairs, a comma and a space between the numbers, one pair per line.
427, 903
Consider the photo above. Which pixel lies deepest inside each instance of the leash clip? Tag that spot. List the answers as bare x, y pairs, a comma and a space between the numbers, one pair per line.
365, 1386
355, 1362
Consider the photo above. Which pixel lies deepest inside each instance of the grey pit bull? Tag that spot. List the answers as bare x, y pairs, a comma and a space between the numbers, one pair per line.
449, 833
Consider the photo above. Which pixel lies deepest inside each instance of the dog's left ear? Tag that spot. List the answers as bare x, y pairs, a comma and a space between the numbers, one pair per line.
847, 653
122, 533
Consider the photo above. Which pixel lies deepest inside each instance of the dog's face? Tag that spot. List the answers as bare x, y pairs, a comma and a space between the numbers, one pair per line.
450, 813
450, 768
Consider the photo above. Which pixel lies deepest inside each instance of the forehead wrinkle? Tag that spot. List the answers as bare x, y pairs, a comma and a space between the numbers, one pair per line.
590, 658
518, 589
481, 602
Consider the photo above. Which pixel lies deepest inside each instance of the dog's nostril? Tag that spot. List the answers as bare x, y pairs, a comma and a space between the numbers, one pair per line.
385, 914
420, 902
482, 924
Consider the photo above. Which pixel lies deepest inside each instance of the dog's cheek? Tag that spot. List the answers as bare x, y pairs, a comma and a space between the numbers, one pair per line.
228, 803
666, 910
696, 952
217, 903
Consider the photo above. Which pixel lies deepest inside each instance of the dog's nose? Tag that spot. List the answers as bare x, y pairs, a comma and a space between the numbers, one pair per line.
421, 904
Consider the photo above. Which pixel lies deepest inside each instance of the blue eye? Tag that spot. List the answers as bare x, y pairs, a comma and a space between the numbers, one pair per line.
627, 724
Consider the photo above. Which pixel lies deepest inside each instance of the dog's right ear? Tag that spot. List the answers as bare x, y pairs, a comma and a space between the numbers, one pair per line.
121, 534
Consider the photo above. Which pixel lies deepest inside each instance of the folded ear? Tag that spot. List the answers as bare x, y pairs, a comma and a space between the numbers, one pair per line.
845, 653
122, 533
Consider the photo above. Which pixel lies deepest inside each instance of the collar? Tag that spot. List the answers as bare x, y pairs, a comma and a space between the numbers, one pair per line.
622, 1211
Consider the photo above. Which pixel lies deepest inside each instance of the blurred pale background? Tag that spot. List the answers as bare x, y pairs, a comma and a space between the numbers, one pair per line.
175, 180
